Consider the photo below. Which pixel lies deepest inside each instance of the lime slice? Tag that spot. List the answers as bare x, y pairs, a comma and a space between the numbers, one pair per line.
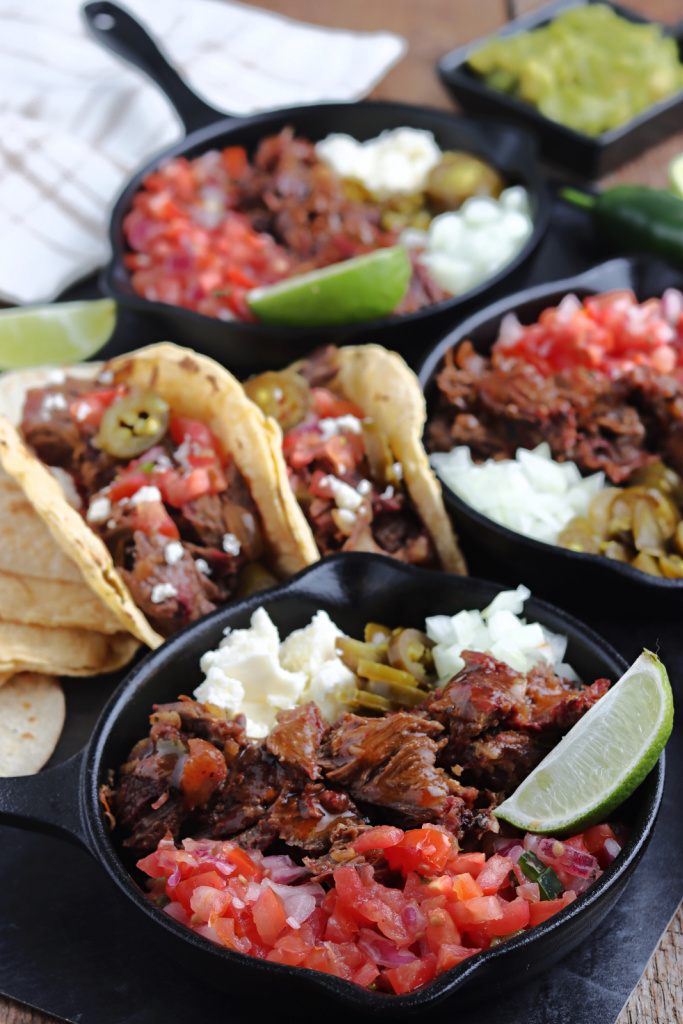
676, 175
602, 759
361, 288
65, 332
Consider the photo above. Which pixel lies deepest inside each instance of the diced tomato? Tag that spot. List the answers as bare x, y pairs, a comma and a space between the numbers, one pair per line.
290, 949
269, 915
183, 428
410, 976
515, 915
184, 889
151, 516
440, 927
495, 874
89, 409
475, 910
202, 773
127, 483
465, 887
327, 405
450, 955
226, 932
594, 841
378, 838
459, 863
539, 912
424, 850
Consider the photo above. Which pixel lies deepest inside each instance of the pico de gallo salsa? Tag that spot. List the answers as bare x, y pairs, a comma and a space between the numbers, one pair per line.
340, 466
600, 380
366, 847
202, 233
159, 489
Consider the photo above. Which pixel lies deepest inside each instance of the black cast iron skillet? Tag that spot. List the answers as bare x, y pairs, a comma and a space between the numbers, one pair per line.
247, 348
353, 589
547, 567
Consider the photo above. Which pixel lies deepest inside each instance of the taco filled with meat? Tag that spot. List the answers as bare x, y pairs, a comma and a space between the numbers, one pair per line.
352, 420
159, 479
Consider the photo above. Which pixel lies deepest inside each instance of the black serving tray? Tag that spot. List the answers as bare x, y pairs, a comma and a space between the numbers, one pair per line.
583, 155
70, 943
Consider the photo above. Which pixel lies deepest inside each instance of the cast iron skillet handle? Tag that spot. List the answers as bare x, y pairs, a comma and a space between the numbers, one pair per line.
48, 802
118, 31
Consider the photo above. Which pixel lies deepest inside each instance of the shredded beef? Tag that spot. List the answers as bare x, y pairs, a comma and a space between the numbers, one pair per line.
295, 738
497, 405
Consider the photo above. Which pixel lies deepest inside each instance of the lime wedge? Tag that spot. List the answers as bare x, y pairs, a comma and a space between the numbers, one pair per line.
361, 288
676, 175
602, 759
65, 332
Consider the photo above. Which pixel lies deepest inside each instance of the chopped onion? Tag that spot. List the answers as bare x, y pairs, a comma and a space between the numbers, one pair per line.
575, 862
612, 849
383, 951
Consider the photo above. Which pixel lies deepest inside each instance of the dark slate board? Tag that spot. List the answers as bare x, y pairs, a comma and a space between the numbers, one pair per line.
72, 946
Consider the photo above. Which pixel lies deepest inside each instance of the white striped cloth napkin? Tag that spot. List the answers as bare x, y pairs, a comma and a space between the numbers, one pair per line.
76, 122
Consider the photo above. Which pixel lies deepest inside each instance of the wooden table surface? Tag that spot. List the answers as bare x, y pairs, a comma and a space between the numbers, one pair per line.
432, 27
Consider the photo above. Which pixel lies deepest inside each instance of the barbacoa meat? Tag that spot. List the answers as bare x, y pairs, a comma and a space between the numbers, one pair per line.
315, 788
497, 405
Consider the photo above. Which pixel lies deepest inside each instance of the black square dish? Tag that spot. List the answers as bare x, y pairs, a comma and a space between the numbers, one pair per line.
583, 155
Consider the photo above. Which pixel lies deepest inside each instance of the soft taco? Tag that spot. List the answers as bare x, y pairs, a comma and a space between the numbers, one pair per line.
353, 419
159, 479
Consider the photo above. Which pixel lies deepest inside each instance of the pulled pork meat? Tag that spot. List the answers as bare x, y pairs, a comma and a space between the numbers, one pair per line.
497, 405
315, 787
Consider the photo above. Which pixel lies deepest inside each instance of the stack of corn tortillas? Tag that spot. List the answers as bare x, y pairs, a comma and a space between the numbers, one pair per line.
51, 624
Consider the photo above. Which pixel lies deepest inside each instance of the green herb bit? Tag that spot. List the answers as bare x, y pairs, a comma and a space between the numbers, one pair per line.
514, 881
162, 900
147, 467
549, 885
497, 939
532, 867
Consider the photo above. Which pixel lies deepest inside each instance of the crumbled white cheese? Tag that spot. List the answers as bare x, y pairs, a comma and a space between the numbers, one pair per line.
106, 377
345, 496
247, 661
253, 673
56, 376
388, 492
231, 544
82, 411
111, 523
100, 510
146, 493
203, 566
173, 552
398, 470
364, 487
162, 591
331, 425
397, 161
57, 401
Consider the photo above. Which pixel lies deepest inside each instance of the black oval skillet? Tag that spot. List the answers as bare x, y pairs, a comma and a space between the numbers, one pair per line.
353, 589
247, 348
582, 579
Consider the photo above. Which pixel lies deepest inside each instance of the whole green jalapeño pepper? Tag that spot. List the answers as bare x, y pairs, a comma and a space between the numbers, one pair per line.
636, 218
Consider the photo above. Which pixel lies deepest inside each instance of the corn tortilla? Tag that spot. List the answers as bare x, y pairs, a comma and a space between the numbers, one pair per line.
31, 719
193, 386
386, 389
63, 651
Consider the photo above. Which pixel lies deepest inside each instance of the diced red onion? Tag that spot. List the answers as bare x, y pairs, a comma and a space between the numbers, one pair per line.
175, 877
574, 862
383, 951
612, 850
672, 306
531, 842
507, 846
282, 868
299, 900
209, 932
510, 331
175, 910
253, 892
529, 891
409, 917
579, 885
